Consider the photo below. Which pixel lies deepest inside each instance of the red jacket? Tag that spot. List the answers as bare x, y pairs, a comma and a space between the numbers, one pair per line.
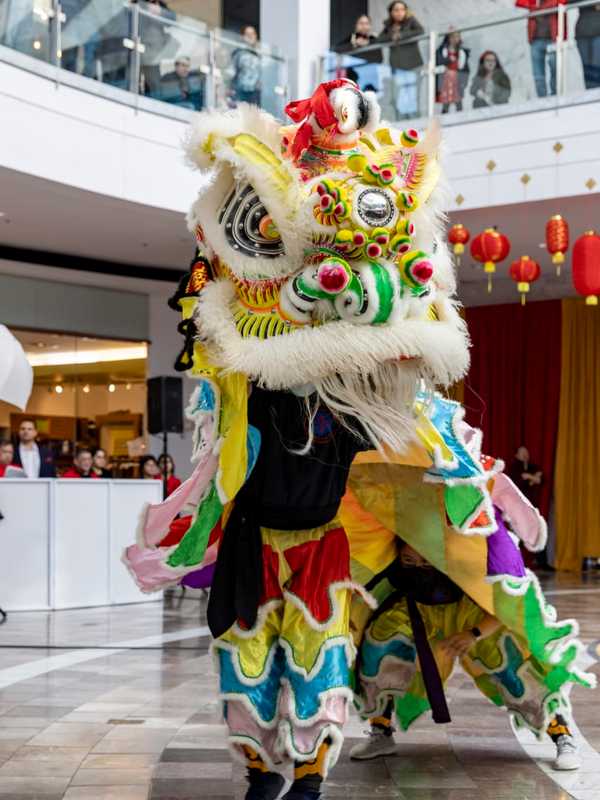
533, 5
72, 472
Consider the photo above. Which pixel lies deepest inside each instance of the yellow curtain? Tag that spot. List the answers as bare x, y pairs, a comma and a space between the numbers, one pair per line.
577, 475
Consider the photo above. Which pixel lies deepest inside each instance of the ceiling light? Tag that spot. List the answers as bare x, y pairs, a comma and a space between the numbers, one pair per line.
86, 388
59, 388
37, 45
41, 345
112, 387
128, 386
131, 353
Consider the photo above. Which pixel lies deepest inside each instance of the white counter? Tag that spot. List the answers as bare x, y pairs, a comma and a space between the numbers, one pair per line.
61, 542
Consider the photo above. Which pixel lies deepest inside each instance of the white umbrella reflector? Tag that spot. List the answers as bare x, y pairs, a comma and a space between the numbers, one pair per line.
16, 374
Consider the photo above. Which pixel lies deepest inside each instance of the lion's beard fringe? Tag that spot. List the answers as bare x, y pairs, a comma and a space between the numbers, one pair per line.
377, 406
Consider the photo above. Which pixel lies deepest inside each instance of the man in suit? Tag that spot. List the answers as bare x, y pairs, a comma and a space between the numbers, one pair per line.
36, 461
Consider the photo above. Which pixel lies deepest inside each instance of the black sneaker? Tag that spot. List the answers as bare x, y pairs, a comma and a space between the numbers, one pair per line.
264, 785
301, 794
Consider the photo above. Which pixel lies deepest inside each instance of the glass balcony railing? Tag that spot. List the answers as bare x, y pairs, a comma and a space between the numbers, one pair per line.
527, 61
146, 50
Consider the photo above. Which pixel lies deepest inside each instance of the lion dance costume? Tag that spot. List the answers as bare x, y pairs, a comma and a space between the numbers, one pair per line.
317, 307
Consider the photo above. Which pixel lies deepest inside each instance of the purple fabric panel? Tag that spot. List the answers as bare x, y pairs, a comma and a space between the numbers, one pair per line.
504, 557
200, 579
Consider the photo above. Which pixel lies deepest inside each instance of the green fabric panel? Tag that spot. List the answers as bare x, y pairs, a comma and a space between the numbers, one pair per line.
409, 707
461, 502
419, 518
191, 549
487, 687
539, 633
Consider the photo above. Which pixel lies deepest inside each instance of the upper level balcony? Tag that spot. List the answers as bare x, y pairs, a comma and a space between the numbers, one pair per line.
145, 51
518, 97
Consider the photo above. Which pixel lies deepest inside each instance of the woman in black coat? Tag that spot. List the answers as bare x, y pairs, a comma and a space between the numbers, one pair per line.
399, 29
491, 85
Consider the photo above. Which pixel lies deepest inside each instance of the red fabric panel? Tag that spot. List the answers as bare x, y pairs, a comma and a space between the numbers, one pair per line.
316, 565
513, 387
271, 587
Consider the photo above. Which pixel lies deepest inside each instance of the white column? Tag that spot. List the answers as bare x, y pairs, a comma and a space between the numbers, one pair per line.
300, 29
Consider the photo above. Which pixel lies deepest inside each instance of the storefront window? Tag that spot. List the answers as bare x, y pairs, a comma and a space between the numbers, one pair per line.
87, 392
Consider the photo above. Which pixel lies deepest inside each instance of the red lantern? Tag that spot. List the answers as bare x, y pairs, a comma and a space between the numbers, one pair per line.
458, 236
557, 240
524, 271
586, 267
489, 248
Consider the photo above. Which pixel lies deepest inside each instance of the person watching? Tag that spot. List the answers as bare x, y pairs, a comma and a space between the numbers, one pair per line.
184, 86
364, 69
82, 465
405, 59
149, 469
542, 31
99, 464
491, 85
7, 454
246, 62
36, 461
167, 468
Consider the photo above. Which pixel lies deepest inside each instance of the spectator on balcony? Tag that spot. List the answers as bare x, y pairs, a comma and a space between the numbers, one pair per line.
83, 465
246, 63
100, 464
36, 461
167, 468
452, 82
364, 69
405, 58
587, 33
491, 84
543, 33
184, 86
80, 36
158, 44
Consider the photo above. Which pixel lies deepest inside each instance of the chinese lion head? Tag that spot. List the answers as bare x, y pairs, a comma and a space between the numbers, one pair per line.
325, 258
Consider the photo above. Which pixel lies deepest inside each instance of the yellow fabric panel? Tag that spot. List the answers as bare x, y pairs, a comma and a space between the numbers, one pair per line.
233, 458
466, 557
577, 475
372, 544
187, 306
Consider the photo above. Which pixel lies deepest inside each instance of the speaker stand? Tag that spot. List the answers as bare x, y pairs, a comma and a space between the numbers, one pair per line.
165, 452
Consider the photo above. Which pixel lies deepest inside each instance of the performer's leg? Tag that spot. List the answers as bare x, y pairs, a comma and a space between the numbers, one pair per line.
380, 741
264, 784
309, 775
319, 652
567, 752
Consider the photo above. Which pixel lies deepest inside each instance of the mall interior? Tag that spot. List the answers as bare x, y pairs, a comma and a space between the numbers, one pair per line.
108, 692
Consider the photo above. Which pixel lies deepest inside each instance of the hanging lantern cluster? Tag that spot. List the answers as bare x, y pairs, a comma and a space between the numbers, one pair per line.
557, 240
458, 236
586, 267
524, 271
489, 248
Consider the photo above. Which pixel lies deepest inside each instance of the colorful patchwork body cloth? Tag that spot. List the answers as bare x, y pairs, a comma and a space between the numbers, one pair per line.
531, 662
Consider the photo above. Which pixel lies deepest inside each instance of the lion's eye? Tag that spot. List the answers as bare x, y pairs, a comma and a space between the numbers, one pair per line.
375, 208
248, 226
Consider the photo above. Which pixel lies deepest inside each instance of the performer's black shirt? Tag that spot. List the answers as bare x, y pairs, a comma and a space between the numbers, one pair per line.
303, 488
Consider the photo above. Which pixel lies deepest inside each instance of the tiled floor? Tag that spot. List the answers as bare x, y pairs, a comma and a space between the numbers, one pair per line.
86, 722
